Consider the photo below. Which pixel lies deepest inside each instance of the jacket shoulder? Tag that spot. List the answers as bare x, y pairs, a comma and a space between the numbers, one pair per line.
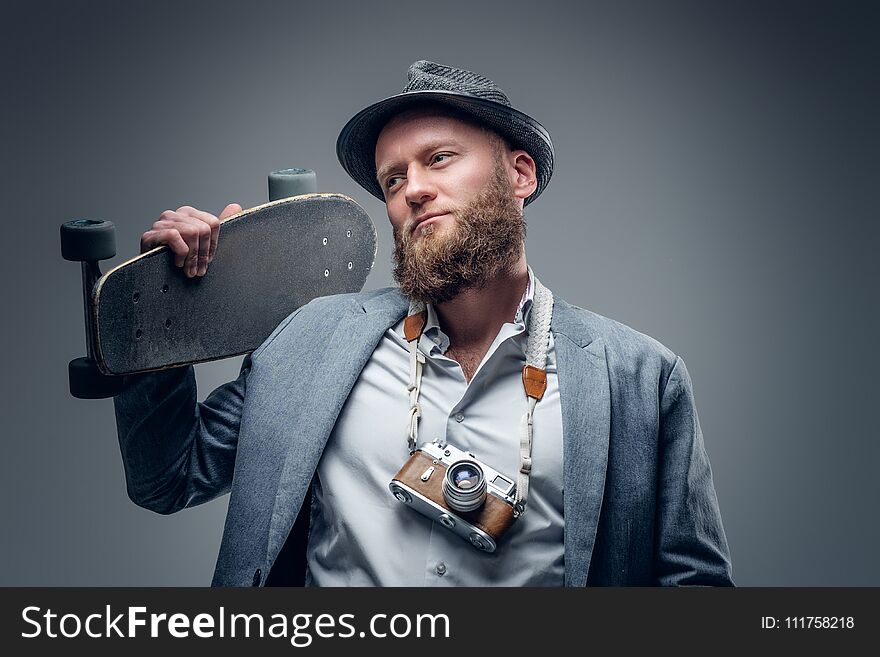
320, 315
629, 352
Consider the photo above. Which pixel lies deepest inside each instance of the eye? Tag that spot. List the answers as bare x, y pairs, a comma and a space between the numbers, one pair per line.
391, 181
439, 157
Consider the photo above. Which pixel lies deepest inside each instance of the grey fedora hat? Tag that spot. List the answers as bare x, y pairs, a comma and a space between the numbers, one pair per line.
469, 93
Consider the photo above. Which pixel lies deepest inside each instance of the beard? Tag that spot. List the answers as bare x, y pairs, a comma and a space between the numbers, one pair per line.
485, 241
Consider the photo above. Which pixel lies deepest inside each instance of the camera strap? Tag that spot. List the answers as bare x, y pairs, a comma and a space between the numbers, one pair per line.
534, 376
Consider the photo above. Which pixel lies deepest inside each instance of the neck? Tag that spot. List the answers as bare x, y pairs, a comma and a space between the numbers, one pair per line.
474, 317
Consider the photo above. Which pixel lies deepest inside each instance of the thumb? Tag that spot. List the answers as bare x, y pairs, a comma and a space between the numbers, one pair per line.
230, 210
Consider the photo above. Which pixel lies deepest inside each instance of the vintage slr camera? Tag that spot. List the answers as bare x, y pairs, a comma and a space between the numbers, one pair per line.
458, 491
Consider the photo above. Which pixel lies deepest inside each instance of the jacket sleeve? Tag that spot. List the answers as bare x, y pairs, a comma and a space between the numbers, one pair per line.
691, 545
177, 452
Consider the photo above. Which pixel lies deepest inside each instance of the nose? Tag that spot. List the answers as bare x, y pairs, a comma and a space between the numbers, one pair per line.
419, 187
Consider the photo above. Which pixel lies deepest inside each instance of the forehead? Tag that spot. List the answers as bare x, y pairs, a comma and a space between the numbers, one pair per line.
415, 130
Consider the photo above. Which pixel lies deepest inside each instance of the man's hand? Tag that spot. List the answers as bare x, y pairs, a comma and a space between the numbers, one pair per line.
191, 235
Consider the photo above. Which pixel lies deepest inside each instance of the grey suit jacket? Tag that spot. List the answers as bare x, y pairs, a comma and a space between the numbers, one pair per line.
639, 503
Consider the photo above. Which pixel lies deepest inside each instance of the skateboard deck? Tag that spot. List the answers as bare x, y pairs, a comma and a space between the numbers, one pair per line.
270, 260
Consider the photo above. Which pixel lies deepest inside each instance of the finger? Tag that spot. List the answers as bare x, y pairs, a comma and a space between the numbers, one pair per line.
180, 232
203, 251
214, 225
154, 236
196, 233
166, 237
189, 229
229, 210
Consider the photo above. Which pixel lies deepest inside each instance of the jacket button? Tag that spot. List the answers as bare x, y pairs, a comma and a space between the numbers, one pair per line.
257, 576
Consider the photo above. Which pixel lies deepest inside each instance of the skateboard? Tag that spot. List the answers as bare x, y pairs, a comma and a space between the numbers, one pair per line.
146, 314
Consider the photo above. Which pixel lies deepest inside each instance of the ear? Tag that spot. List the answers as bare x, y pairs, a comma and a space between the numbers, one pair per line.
525, 178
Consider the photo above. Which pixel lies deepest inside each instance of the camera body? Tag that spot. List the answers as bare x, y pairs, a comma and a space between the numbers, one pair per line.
452, 487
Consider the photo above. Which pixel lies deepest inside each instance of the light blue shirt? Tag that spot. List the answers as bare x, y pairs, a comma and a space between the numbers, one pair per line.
362, 536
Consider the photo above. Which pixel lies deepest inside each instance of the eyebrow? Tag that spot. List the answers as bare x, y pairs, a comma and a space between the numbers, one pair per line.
431, 146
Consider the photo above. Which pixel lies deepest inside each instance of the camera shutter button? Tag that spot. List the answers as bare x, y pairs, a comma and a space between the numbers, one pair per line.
441, 568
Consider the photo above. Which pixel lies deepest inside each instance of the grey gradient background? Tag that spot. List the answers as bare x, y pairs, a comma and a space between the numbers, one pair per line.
715, 188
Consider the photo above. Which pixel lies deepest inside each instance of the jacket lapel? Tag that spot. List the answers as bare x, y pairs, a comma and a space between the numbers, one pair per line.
348, 350
584, 391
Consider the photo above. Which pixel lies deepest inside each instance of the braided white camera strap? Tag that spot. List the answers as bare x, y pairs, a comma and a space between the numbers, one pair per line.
534, 377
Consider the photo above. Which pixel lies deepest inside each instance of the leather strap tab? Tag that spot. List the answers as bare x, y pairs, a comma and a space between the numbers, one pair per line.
534, 381
413, 326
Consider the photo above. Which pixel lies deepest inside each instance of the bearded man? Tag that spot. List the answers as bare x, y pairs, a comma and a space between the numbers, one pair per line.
591, 424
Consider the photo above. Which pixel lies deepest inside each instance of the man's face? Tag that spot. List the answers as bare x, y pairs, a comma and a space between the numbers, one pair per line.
454, 198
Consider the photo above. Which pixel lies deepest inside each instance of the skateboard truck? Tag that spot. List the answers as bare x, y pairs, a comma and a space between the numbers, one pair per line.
89, 241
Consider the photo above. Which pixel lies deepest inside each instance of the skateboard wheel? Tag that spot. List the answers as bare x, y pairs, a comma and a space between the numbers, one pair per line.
88, 240
87, 381
291, 182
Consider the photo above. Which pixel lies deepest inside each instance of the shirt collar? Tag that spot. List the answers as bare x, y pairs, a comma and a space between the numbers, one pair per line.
432, 325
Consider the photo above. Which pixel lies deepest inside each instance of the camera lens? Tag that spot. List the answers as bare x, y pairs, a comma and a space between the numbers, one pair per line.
464, 487
466, 477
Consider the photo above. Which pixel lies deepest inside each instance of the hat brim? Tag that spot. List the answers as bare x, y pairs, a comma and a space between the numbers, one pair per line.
356, 145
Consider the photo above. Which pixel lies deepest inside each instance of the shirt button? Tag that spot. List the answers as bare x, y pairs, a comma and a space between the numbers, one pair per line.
441, 568
459, 418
